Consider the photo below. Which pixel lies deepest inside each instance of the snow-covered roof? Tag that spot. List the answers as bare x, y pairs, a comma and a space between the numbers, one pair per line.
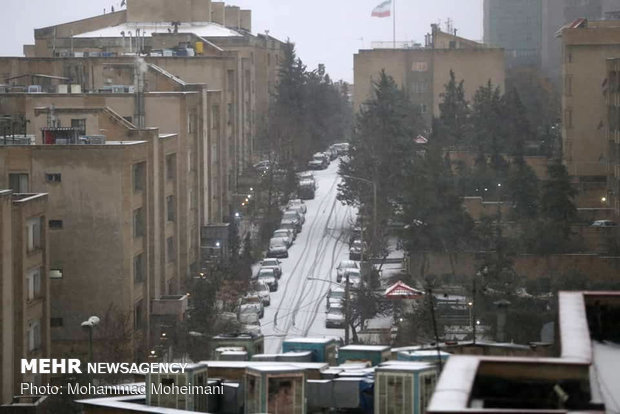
404, 366
426, 352
574, 332
275, 367
131, 403
452, 391
311, 340
202, 29
402, 290
254, 364
376, 348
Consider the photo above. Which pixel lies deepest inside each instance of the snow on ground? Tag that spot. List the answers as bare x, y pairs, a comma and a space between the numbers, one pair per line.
298, 307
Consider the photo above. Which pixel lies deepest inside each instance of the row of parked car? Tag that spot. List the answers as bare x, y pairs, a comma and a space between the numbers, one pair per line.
346, 271
252, 305
321, 160
293, 219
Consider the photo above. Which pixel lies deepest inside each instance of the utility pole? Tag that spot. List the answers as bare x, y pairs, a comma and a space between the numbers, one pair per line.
473, 306
430, 296
347, 318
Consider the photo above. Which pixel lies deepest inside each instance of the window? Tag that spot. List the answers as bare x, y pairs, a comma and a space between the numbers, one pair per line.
138, 268
568, 85
33, 282
423, 108
53, 178
56, 322
139, 177
55, 273
170, 208
80, 125
230, 114
33, 228
138, 315
138, 222
18, 183
34, 335
215, 116
568, 114
170, 249
55, 224
171, 166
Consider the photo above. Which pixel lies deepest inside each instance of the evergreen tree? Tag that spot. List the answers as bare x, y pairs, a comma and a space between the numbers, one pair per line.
453, 122
557, 198
287, 127
432, 206
487, 118
382, 148
516, 124
523, 190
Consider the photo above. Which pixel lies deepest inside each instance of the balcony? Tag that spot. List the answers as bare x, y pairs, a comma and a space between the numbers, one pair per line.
170, 305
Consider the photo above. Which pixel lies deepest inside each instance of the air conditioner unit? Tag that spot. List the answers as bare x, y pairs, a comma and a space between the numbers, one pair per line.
76, 88
62, 89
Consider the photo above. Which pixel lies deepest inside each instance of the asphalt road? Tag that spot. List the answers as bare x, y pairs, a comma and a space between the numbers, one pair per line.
298, 307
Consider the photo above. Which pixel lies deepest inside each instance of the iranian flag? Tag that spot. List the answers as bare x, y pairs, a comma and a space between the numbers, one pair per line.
382, 10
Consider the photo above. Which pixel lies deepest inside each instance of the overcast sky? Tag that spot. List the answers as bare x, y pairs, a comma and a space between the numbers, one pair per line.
325, 31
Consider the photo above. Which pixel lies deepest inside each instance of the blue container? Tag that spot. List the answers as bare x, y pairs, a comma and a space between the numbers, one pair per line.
323, 349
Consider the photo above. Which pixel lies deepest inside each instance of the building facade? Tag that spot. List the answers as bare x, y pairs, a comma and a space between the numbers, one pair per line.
586, 46
556, 14
24, 288
423, 72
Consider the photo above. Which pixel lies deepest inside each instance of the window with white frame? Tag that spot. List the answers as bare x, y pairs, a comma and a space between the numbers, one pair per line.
34, 335
33, 282
33, 228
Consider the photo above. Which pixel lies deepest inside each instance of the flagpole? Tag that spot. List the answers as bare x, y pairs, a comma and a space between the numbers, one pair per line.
394, 23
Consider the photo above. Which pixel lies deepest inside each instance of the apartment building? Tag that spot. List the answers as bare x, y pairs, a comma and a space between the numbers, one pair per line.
586, 46
197, 40
611, 92
556, 14
423, 72
24, 284
123, 221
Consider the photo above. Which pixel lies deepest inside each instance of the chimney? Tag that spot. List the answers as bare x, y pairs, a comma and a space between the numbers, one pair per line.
201, 11
231, 17
217, 12
246, 20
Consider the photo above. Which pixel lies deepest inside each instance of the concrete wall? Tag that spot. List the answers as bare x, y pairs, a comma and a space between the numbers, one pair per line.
597, 268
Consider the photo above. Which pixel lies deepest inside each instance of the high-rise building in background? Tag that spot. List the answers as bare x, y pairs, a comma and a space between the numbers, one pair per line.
516, 27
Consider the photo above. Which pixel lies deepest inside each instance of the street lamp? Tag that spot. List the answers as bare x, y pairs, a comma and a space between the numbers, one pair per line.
90, 325
374, 203
346, 303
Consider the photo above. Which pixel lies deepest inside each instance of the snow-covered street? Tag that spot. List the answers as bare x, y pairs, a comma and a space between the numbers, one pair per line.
298, 307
